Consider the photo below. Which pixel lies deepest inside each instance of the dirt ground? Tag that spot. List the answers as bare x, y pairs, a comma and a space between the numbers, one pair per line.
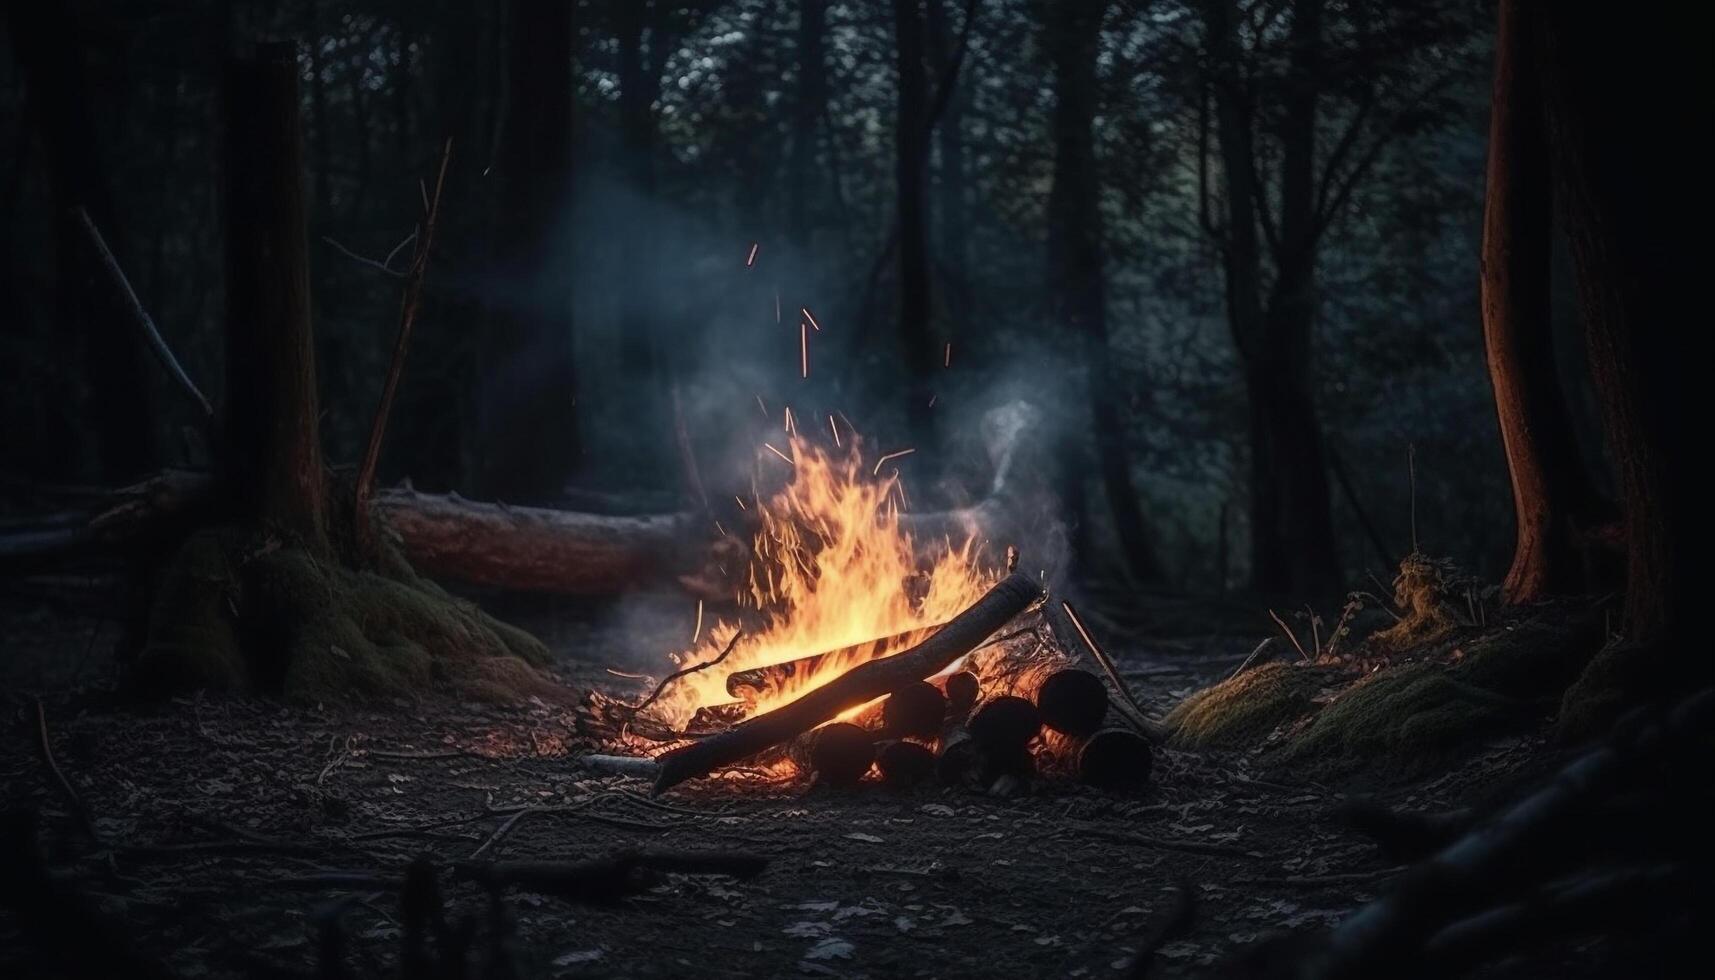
222, 821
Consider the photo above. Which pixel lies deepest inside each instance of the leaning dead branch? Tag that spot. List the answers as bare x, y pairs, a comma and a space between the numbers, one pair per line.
1126, 705
72, 799
860, 685
407, 317
140, 316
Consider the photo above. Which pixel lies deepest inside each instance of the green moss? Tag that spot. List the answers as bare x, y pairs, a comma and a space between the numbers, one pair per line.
1245, 709
194, 640
1400, 719
241, 611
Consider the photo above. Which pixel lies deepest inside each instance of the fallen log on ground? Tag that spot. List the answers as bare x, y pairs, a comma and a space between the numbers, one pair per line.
863, 683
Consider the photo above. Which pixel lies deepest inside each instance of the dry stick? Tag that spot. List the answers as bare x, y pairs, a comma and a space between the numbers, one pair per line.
140, 316
1289, 634
1127, 705
675, 675
500, 833
864, 683
77, 807
1260, 647
407, 316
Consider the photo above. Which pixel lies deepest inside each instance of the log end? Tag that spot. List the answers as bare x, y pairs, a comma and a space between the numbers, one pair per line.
1073, 702
904, 764
1006, 722
840, 754
916, 710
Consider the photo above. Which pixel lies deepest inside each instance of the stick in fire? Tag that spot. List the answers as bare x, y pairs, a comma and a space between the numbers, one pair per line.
860, 685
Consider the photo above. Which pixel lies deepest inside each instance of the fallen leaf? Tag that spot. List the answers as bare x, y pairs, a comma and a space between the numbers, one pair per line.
830, 948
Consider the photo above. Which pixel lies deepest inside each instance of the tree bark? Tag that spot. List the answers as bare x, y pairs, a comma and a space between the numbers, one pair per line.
954, 211
528, 426
1552, 494
273, 459
1639, 247
910, 157
1292, 539
1075, 262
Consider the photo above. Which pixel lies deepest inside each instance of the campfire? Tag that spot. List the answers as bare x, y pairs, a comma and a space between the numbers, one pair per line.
863, 651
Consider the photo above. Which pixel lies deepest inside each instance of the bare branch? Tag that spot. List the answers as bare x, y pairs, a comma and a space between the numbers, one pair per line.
141, 318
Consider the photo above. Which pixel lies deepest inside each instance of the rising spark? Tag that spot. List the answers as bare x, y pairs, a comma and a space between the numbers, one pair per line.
808, 316
902, 452
803, 351
778, 453
720, 529
776, 304
621, 673
740, 501
947, 356
698, 632
932, 400
791, 426
836, 429
750, 259
760, 404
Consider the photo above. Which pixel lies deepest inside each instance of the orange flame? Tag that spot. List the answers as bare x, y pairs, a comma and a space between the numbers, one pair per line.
832, 567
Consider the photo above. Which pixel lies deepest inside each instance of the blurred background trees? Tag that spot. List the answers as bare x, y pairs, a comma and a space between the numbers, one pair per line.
1230, 243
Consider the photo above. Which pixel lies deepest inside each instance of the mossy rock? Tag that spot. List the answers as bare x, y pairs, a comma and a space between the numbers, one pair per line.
1246, 709
239, 610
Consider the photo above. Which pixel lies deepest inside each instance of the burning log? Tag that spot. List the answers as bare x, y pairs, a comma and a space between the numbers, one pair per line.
962, 689
839, 754
752, 684
914, 710
905, 764
1005, 724
863, 683
1072, 702
1115, 758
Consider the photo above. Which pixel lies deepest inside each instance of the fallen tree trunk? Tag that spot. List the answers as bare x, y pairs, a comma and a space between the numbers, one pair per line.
865, 682
523, 549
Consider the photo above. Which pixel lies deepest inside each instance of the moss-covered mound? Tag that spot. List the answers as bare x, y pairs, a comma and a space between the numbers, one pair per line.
239, 610
1243, 710
1405, 716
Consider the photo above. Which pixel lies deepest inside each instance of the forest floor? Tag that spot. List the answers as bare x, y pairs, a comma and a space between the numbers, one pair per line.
216, 814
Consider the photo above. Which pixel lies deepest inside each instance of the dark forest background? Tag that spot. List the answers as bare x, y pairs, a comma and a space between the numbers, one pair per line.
1246, 407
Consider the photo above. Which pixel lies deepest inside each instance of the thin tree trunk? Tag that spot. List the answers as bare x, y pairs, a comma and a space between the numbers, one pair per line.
954, 212
811, 104
1623, 182
1551, 492
46, 45
528, 426
273, 455
916, 343
1075, 262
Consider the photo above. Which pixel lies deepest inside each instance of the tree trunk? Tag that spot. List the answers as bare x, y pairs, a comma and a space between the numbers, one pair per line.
45, 43
1075, 262
528, 429
1639, 246
954, 210
812, 102
273, 455
910, 155
1552, 495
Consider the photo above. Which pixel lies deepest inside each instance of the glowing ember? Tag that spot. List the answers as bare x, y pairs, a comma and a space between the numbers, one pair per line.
832, 568
750, 259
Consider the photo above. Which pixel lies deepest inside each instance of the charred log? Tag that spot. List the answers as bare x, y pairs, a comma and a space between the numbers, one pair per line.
839, 754
916, 710
864, 683
962, 691
1115, 759
757, 682
1005, 724
905, 764
1073, 702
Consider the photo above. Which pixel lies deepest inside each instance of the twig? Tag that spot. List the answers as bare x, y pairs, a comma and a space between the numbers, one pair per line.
77, 807
407, 316
1134, 715
500, 833
1315, 630
1260, 647
382, 266
140, 316
675, 675
1289, 634
1314, 881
